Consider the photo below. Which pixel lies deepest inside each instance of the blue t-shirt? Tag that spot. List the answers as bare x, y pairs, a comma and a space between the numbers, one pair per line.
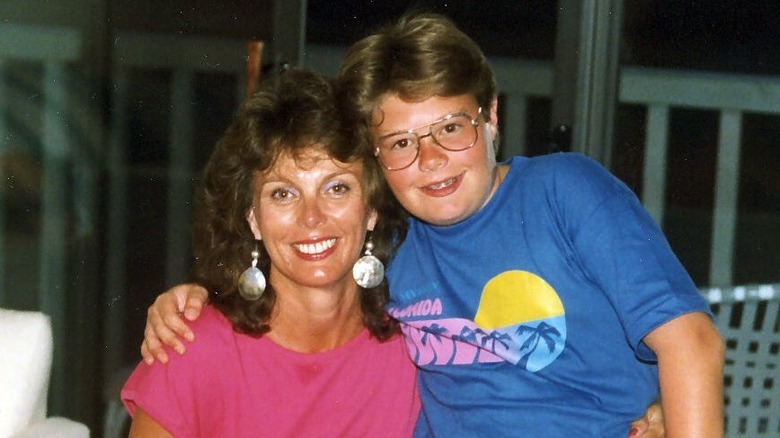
527, 319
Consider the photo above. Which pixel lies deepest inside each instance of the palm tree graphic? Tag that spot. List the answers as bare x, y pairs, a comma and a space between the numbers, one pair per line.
493, 337
487, 340
467, 336
435, 331
544, 332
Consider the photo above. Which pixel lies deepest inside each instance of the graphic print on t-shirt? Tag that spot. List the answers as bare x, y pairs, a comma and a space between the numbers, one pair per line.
520, 319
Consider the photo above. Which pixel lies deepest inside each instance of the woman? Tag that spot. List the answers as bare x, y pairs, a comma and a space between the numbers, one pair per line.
313, 353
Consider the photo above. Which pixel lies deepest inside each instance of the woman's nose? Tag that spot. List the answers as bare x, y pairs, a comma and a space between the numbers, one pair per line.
312, 213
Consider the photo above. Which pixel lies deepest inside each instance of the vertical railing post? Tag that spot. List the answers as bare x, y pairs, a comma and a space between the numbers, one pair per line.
654, 174
726, 194
513, 141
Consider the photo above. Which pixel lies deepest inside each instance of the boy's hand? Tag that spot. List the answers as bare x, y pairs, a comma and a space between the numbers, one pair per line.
651, 425
164, 323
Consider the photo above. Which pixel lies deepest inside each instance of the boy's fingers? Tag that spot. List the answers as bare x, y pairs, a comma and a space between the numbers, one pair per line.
150, 357
151, 348
193, 307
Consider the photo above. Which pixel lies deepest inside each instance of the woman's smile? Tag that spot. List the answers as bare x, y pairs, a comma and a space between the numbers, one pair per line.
316, 250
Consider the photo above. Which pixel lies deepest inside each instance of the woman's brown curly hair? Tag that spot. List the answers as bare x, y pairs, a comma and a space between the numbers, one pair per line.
289, 113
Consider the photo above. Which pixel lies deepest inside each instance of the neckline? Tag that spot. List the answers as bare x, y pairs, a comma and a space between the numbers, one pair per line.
361, 337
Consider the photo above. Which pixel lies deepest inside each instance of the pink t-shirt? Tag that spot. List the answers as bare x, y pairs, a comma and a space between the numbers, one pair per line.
233, 385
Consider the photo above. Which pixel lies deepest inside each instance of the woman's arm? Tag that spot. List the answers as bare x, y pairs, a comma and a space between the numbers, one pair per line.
164, 323
690, 354
144, 426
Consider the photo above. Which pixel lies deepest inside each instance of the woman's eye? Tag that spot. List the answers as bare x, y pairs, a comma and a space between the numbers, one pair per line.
280, 194
339, 188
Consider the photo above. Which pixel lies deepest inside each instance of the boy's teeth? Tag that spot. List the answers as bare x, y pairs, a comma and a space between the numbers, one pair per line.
440, 185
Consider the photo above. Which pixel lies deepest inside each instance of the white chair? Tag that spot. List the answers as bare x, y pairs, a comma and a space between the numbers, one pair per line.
25, 363
748, 317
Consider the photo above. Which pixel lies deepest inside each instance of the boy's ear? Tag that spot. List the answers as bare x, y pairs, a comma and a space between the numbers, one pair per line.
252, 221
493, 118
372, 218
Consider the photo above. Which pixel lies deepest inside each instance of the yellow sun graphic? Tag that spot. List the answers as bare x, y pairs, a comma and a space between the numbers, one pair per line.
514, 297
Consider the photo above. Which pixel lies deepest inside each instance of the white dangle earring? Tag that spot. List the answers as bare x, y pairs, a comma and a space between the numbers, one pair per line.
368, 271
251, 283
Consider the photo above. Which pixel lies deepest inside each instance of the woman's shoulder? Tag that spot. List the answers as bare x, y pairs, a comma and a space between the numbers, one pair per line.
210, 319
211, 330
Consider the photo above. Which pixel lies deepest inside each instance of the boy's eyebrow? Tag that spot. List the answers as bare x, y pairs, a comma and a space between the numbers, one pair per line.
442, 118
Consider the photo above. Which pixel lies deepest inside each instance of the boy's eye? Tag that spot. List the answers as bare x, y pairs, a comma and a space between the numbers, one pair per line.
449, 129
402, 143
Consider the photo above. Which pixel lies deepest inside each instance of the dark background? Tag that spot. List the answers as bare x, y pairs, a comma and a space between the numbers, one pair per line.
722, 35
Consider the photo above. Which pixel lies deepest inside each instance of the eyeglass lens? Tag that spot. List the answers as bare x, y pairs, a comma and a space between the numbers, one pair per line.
454, 133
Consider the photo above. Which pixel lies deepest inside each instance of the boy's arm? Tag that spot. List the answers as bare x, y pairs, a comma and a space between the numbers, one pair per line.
164, 323
690, 354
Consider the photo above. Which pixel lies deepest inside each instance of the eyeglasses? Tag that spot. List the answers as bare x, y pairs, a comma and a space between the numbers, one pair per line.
453, 132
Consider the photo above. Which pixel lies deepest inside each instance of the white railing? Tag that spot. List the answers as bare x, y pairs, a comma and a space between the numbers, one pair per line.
732, 96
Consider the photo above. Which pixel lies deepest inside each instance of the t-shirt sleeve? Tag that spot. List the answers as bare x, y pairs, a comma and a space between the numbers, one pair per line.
625, 252
169, 393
